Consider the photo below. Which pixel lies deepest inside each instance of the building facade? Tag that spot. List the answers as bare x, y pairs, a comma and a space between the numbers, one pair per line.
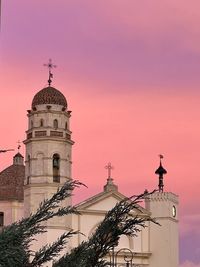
47, 166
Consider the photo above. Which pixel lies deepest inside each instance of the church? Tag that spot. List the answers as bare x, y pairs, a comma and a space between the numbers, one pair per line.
47, 165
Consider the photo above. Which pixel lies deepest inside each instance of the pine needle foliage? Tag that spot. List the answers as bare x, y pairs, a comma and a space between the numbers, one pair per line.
15, 240
126, 218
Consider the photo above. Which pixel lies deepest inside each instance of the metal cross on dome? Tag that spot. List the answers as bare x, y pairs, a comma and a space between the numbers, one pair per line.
50, 66
109, 167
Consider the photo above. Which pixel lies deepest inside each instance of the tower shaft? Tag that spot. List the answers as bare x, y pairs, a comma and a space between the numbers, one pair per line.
48, 158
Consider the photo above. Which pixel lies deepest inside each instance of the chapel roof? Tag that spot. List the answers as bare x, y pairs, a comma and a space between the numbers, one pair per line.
49, 95
12, 180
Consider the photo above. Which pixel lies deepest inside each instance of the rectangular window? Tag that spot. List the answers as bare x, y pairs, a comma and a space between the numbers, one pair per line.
40, 133
55, 133
1, 219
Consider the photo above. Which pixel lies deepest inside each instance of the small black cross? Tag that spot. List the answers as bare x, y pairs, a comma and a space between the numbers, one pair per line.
19, 146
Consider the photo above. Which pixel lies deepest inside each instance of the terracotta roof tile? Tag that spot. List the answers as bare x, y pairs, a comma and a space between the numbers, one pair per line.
11, 183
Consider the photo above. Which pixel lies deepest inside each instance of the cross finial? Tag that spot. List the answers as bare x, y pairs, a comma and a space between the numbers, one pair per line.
161, 157
50, 66
19, 146
109, 167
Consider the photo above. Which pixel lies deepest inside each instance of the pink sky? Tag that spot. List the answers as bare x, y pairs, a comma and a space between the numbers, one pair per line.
130, 72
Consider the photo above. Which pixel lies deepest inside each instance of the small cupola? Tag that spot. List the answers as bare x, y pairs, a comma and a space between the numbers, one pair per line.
18, 159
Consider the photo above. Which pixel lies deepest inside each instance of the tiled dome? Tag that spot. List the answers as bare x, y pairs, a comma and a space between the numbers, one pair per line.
49, 95
12, 181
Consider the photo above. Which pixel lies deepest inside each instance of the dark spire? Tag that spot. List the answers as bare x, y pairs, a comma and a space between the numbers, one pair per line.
50, 66
160, 171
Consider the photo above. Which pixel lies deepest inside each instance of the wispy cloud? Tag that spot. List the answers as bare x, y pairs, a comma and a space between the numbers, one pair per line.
189, 223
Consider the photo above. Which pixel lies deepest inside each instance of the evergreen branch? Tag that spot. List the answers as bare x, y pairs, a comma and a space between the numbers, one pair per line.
119, 221
16, 238
50, 252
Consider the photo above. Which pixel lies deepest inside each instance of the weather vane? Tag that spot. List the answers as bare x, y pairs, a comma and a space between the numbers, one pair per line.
161, 157
50, 66
109, 167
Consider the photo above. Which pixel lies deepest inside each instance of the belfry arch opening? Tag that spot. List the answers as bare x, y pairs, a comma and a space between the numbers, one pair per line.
41, 123
56, 168
55, 124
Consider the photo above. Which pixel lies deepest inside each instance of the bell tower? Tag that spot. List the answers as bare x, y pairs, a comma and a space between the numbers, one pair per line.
164, 238
48, 156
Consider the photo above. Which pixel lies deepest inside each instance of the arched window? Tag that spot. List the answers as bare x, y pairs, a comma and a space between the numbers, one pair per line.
41, 123
55, 124
56, 168
66, 126
1, 219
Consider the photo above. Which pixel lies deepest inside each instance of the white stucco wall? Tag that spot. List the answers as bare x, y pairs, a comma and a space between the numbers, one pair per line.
13, 211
